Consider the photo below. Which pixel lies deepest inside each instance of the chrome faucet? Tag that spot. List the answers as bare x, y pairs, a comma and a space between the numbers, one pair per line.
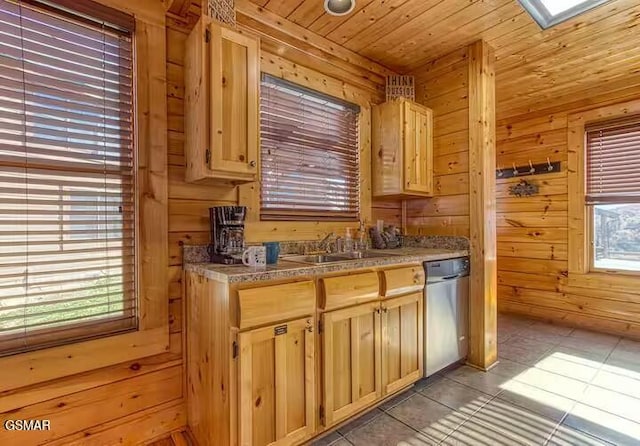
323, 245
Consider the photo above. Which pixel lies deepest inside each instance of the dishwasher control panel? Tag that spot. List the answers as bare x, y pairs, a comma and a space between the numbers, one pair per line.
447, 269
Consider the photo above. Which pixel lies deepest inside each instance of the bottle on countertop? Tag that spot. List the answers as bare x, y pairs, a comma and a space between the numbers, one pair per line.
361, 238
348, 241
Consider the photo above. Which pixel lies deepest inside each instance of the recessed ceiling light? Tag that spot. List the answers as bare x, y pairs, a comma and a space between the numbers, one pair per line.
339, 7
551, 12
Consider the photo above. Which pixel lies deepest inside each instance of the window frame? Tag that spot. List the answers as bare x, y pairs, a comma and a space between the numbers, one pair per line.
258, 231
150, 111
581, 261
546, 20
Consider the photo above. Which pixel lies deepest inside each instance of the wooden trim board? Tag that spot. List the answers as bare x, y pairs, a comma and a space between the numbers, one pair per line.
482, 201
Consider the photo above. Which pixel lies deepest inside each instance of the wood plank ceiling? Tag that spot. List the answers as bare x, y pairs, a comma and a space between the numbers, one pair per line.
533, 66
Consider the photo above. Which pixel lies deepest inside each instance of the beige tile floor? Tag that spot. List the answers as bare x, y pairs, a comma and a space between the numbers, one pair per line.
553, 386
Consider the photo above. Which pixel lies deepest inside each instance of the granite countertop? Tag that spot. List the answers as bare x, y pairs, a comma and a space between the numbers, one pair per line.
287, 269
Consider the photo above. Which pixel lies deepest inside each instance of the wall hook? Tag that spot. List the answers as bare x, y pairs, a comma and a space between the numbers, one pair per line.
532, 169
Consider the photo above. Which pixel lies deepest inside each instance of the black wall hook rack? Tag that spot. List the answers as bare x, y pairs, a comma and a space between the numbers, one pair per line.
529, 169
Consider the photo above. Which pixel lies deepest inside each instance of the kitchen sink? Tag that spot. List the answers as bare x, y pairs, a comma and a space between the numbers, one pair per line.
318, 259
332, 258
365, 254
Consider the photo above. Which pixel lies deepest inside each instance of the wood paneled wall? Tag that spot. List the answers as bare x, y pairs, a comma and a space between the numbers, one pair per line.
442, 85
142, 400
533, 232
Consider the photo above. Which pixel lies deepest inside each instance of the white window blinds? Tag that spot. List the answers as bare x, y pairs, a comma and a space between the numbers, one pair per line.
309, 154
613, 161
67, 202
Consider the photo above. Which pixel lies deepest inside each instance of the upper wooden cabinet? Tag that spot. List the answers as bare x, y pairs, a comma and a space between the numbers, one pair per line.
222, 80
402, 150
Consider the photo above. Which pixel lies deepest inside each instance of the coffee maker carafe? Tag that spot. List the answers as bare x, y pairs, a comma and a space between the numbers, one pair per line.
227, 234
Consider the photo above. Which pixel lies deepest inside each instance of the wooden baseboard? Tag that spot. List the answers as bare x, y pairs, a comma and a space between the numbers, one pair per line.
570, 319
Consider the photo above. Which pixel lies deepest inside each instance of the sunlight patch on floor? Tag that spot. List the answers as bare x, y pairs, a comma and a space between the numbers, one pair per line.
597, 393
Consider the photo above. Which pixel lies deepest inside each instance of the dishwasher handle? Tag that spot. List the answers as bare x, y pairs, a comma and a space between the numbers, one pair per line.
445, 278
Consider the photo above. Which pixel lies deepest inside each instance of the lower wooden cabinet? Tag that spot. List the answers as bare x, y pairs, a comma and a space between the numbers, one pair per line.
402, 341
350, 360
369, 351
254, 377
277, 384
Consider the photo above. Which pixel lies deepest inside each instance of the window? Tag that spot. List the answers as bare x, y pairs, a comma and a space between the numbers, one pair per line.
613, 193
309, 154
548, 13
67, 194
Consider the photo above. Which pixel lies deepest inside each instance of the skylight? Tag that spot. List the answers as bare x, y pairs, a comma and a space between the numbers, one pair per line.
551, 12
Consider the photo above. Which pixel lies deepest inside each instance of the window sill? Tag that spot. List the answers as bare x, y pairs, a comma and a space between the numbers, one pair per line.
612, 280
38, 366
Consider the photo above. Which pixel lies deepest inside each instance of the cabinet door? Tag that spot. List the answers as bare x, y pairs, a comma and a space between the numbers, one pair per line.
351, 360
402, 341
418, 149
235, 77
277, 385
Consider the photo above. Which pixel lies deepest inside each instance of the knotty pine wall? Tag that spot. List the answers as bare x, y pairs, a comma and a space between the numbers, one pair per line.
442, 85
141, 400
533, 232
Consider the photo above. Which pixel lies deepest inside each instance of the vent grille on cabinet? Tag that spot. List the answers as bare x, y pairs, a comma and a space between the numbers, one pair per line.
223, 11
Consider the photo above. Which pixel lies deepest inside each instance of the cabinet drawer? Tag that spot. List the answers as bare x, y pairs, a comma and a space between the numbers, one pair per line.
403, 280
343, 291
271, 304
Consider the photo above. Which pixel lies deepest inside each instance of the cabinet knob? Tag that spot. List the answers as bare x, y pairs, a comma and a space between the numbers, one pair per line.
252, 163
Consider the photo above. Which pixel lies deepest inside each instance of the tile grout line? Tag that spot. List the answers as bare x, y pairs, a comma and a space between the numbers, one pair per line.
529, 366
402, 422
575, 402
386, 411
468, 419
589, 383
491, 398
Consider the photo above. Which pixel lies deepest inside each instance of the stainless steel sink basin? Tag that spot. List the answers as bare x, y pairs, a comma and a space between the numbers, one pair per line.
331, 258
317, 259
365, 254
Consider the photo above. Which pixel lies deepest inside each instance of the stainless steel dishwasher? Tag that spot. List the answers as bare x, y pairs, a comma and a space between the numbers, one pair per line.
446, 313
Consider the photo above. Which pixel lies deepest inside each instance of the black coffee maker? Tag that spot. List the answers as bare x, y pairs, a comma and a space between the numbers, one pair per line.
227, 234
